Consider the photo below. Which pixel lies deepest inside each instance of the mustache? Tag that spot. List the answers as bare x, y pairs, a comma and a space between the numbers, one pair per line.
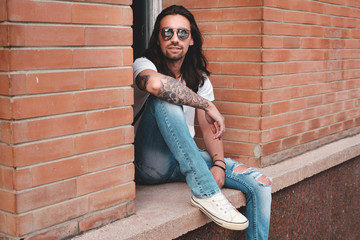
174, 45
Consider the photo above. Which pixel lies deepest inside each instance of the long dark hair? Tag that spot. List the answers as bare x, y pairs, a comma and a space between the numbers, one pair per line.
194, 66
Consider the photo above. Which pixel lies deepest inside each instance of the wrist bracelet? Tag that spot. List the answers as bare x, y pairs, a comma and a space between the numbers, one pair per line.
220, 161
219, 167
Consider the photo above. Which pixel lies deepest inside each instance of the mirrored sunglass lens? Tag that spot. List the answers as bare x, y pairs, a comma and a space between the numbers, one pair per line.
183, 34
167, 33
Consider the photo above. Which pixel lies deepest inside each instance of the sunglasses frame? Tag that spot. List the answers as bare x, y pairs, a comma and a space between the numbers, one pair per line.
172, 30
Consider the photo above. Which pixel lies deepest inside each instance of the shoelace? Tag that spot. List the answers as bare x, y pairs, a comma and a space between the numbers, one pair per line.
223, 204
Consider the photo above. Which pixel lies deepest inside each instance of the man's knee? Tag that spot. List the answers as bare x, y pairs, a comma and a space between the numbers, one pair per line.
261, 178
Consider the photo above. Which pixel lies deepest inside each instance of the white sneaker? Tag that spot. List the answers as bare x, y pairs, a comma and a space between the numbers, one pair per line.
220, 210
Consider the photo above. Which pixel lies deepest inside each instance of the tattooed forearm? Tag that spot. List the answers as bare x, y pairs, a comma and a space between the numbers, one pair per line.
177, 93
141, 81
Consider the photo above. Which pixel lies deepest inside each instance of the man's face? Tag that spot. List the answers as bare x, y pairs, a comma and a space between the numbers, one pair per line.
175, 49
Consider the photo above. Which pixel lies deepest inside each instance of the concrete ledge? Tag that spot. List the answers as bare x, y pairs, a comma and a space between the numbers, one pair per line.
164, 211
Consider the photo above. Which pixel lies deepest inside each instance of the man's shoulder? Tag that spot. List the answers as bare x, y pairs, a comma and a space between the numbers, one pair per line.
141, 64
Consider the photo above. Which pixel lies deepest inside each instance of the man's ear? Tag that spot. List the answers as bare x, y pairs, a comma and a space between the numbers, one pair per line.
191, 42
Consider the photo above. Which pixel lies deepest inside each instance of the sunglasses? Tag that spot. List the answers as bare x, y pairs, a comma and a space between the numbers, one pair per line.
168, 33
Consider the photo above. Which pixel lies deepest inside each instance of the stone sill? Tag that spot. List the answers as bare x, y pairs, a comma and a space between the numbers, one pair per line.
164, 211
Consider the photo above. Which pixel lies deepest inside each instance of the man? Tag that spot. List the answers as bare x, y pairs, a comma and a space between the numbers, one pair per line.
172, 86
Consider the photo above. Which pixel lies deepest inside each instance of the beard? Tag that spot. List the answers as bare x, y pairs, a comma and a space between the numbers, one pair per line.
175, 57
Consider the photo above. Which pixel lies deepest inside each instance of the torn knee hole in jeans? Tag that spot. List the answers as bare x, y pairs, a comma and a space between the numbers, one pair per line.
264, 180
261, 179
242, 169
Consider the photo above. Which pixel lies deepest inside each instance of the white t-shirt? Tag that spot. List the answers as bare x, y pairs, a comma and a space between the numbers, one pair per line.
206, 91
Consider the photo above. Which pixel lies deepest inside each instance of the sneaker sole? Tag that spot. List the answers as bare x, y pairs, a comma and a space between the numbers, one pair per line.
221, 222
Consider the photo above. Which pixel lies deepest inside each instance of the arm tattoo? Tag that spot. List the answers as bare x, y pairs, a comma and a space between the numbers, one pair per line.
142, 81
175, 92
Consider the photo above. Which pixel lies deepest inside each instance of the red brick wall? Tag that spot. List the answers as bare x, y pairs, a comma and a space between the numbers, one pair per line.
311, 84
65, 96
286, 73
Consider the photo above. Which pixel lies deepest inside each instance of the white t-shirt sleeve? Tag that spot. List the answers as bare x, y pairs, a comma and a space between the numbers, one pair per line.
141, 64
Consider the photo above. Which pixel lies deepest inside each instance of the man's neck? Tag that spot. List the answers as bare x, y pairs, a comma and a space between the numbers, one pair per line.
175, 67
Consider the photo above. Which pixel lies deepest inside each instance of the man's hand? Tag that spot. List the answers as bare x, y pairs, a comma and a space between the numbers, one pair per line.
216, 120
219, 176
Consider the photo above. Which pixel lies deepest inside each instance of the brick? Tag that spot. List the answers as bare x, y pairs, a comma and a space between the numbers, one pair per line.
235, 108
43, 35
54, 127
112, 36
290, 142
294, 67
2, 179
41, 11
315, 43
59, 170
127, 16
4, 35
103, 139
7, 201
128, 56
233, 55
130, 207
252, 69
230, 28
280, 107
279, 120
109, 118
88, 58
59, 213
19, 131
4, 60
22, 179
221, 81
45, 196
18, 84
105, 179
5, 132
119, 2
212, 4
55, 81
16, 35
239, 148
6, 107
108, 77
25, 59
110, 158
241, 135
232, 41
59, 232
242, 122
6, 155
101, 218
3, 10
293, 55
112, 196
7, 178
2, 222
4, 84
269, 148
231, 14
35, 106
237, 95
18, 225
104, 98
37, 152
96, 14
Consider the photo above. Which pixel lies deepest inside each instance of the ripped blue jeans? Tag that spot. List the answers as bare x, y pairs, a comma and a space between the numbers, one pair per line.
166, 152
